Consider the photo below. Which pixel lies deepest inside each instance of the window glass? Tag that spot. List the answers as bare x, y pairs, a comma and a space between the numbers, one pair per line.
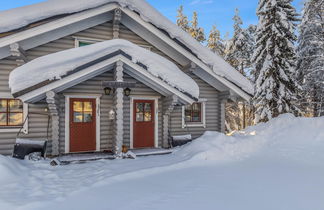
147, 112
15, 106
11, 112
15, 119
82, 111
82, 43
87, 111
77, 111
139, 112
3, 105
3, 119
193, 113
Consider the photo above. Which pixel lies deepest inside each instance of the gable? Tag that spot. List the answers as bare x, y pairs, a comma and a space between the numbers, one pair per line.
101, 32
154, 28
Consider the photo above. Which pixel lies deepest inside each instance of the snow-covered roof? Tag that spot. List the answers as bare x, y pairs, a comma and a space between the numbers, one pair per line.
56, 65
20, 17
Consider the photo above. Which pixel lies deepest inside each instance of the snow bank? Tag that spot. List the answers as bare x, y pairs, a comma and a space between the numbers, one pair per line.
19, 17
10, 170
274, 165
300, 139
56, 65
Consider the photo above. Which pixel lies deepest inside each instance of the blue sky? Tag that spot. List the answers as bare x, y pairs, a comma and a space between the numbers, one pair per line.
219, 12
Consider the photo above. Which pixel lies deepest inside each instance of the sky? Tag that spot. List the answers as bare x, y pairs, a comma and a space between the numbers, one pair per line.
218, 12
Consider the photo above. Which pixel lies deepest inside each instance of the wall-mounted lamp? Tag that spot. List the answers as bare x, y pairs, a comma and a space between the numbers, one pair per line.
111, 114
127, 91
107, 91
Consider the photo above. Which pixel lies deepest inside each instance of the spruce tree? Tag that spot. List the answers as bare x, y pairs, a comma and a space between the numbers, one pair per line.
195, 31
275, 85
250, 45
310, 52
215, 43
241, 46
182, 20
233, 54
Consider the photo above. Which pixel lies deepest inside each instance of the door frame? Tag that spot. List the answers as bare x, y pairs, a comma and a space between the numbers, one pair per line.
156, 120
67, 118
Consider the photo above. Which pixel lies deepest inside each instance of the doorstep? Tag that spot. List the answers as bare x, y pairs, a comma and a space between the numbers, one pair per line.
151, 151
83, 157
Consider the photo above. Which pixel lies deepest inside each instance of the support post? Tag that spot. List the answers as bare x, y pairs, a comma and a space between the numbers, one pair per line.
116, 22
51, 99
19, 53
223, 97
169, 104
118, 103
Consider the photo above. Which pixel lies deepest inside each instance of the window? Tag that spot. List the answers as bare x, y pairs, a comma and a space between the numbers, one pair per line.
84, 41
81, 43
193, 115
193, 112
11, 112
82, 111
143, 112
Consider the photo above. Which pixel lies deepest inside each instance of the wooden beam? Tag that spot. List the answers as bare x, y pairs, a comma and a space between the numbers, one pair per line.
168, 103
19, 53
118, 101
116, 22
53, 104
115, 84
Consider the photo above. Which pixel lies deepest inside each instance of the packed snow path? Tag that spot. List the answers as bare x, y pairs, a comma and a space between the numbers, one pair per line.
278, 165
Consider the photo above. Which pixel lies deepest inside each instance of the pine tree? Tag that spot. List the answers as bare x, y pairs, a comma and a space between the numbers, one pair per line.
215, 43
182, 20
276, 85
310, 51
195, 31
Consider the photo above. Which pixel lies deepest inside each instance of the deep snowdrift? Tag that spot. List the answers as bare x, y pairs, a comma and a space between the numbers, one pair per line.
286, 136
275, 165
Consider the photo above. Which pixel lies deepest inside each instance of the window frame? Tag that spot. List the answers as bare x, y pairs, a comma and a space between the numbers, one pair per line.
77, 41
10, 128
202, 123
8, 112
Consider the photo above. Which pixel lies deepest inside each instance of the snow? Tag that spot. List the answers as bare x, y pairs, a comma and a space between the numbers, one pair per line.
182, 137
30, 141
275, 165
56, 65
19, 17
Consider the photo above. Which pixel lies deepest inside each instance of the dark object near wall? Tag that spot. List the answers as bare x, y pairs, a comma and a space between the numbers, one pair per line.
25, 147
180, 140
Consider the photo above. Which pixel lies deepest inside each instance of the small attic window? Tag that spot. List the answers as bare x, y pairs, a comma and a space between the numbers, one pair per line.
81, 42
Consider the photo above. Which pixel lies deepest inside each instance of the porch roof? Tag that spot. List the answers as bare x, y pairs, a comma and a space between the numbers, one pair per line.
59, 71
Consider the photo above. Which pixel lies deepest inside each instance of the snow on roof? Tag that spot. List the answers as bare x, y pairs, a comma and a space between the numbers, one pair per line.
19, 17
56, 65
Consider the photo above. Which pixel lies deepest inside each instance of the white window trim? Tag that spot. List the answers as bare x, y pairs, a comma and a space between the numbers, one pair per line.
67, 118
15, 129
148, 47
203, 116
156, 124
77, 40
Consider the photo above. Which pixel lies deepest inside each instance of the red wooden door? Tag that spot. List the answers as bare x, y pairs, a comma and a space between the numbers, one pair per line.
143, 123
82, 125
